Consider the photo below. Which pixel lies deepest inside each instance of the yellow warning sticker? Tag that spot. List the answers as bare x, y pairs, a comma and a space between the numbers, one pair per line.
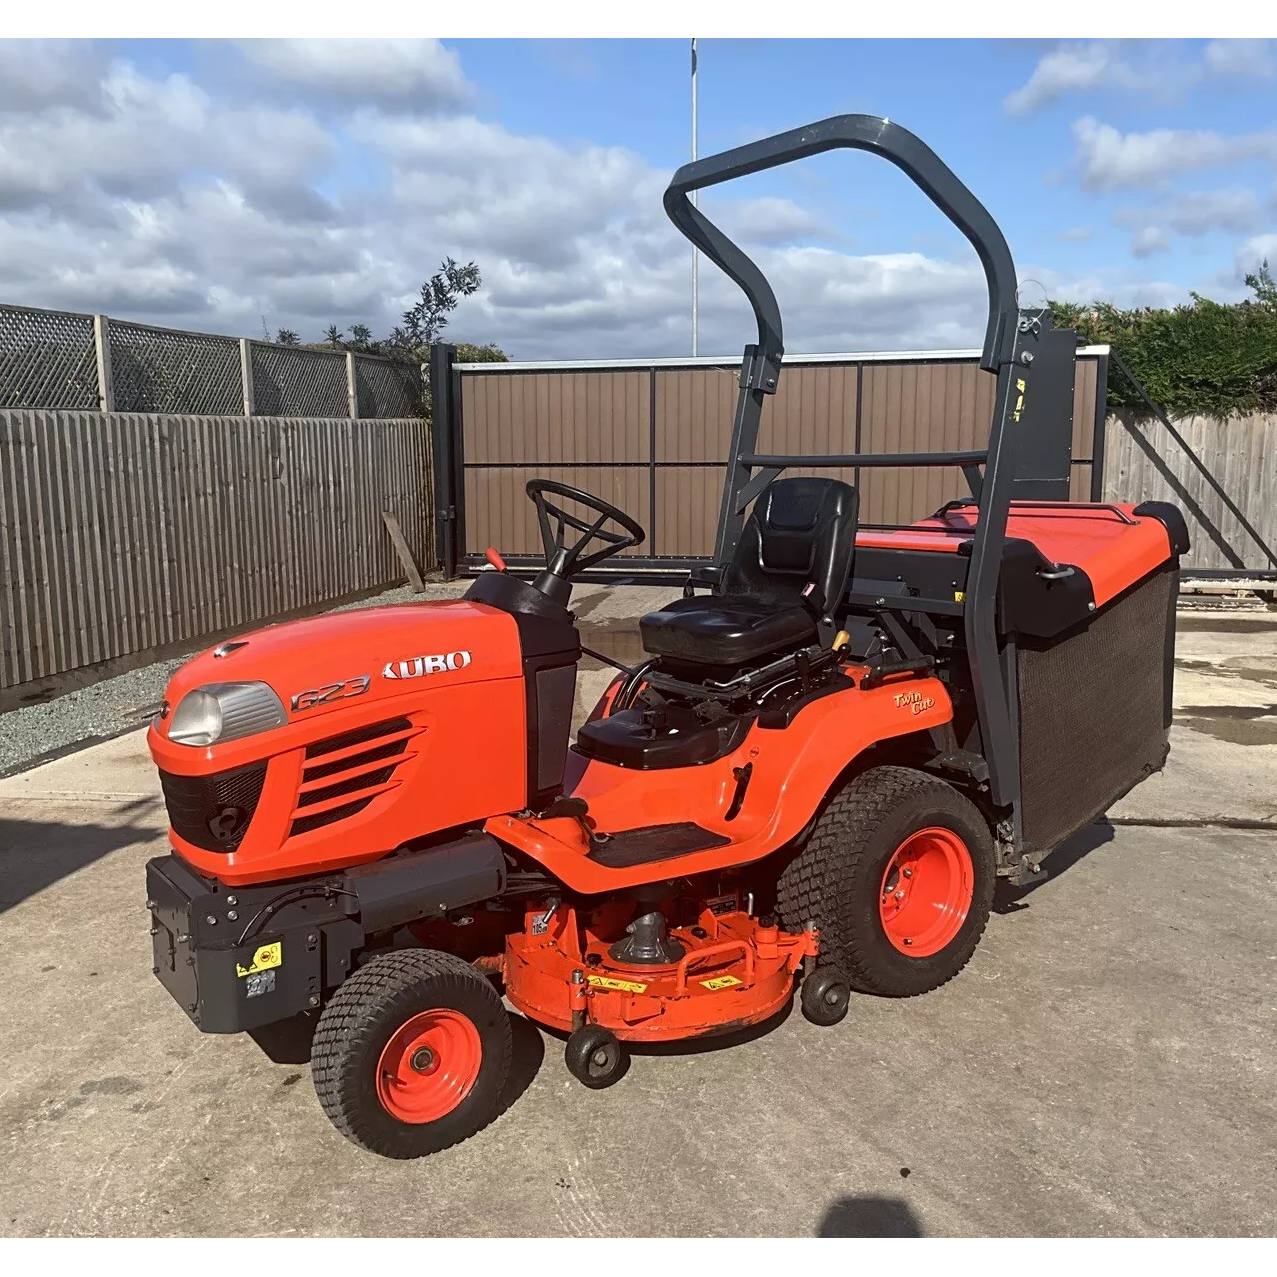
625, 986
721, 982
959, 596
266, 957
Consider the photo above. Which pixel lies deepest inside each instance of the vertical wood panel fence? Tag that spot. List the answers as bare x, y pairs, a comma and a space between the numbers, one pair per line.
126, 532
1221, 474
159, 486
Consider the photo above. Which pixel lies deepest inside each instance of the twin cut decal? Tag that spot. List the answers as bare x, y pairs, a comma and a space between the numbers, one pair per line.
416, 666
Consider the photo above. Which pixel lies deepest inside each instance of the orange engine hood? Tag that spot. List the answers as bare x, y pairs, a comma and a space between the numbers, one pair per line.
434, 690
316, 666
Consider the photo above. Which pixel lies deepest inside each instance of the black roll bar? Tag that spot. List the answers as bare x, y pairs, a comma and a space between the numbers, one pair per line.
1010, 341
863, 133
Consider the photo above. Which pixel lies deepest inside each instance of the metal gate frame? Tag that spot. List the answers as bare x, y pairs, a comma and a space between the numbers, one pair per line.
456, 558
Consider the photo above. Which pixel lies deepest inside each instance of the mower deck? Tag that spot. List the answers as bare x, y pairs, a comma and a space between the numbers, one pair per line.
734, 971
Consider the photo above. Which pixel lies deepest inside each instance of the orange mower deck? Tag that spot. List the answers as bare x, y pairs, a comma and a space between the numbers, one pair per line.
735, 972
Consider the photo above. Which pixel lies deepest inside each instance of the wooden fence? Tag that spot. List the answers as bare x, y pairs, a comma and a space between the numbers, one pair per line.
1221, 474
653, 437
123, 533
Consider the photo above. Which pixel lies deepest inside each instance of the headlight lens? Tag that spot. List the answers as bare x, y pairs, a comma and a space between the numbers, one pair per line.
225, 711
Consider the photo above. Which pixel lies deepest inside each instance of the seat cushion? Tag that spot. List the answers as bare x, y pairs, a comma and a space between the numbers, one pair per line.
724, 629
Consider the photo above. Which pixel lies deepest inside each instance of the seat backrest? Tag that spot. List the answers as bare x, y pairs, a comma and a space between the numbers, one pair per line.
800, 531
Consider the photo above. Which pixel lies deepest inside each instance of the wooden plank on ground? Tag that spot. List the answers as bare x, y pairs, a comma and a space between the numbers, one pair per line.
400, 543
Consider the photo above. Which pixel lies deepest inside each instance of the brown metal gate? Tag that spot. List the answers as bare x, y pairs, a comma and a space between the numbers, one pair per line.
653, 438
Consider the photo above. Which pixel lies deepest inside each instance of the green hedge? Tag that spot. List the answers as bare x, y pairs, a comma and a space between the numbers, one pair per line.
1204, 357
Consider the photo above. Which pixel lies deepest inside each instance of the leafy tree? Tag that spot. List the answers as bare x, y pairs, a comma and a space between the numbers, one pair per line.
1203, 357
423, 322
286, 337
489, 354
1264, 288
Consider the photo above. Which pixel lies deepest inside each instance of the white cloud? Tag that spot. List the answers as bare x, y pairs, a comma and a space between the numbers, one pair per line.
164, 198
765, 221
1189, 213
37, 73
1249, 59
1075, 68
1108, 159
1149, 240
1076, 234
420, 74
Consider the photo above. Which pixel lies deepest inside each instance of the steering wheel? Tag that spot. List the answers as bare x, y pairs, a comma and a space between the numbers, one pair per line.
563, 560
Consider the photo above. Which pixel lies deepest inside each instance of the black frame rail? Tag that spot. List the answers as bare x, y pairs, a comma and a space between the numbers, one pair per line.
1012, 341
1008, 352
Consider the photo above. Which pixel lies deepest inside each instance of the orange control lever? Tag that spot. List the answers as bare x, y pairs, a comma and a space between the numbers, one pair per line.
494, 557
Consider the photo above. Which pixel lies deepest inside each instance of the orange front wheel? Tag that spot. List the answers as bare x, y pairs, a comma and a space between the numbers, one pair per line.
429, 1066
411, 1054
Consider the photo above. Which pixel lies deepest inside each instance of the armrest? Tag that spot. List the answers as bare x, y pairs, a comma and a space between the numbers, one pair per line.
708, 576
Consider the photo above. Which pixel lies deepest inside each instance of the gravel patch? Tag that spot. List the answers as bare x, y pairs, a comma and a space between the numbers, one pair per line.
33, 734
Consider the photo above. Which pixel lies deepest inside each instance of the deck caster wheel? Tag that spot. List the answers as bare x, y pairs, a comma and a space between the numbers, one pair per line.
825, 996
595, 1056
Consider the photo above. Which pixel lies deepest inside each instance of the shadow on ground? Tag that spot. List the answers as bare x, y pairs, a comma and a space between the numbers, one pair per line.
869, 1217
1011, 899
34, 854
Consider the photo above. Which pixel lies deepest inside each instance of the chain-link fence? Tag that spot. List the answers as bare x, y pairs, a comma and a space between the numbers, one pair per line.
48, 359
387, 387
291, 381
165, 370
51, 359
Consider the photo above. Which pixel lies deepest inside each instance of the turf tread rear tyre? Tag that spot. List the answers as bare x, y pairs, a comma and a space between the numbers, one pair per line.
836, 879
360, 1018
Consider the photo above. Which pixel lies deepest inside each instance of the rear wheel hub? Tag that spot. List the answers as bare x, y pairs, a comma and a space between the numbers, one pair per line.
927, 888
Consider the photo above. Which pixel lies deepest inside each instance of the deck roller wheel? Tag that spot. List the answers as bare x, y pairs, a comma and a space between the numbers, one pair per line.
825, 996
595, 1056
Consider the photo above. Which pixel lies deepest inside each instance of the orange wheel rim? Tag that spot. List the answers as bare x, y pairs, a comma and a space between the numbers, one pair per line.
926, 892
429, 1066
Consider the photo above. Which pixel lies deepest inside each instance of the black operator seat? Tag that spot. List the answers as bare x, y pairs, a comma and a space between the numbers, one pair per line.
801, 532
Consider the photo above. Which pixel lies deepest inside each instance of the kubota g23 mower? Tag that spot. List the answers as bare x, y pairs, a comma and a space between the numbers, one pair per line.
841, 737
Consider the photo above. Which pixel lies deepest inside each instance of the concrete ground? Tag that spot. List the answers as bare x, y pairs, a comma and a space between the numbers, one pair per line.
1105, 1065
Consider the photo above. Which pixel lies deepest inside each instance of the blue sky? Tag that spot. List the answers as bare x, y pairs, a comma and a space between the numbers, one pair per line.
215, 185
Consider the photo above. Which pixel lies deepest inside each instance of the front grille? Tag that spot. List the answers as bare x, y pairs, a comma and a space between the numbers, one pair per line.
365, 780
304, 824
373, 731
350, 774
213, 812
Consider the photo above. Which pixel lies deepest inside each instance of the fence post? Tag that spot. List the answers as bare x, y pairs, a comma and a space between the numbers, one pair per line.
1098, 433
246, 375
102, 348
352, 387
442, 426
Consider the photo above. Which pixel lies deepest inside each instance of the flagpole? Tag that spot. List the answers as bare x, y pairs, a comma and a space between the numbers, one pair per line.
695, 202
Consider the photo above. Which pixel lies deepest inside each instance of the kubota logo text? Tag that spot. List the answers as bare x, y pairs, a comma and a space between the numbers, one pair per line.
416, 666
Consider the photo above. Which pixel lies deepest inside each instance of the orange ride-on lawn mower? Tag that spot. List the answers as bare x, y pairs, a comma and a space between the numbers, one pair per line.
834, 749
